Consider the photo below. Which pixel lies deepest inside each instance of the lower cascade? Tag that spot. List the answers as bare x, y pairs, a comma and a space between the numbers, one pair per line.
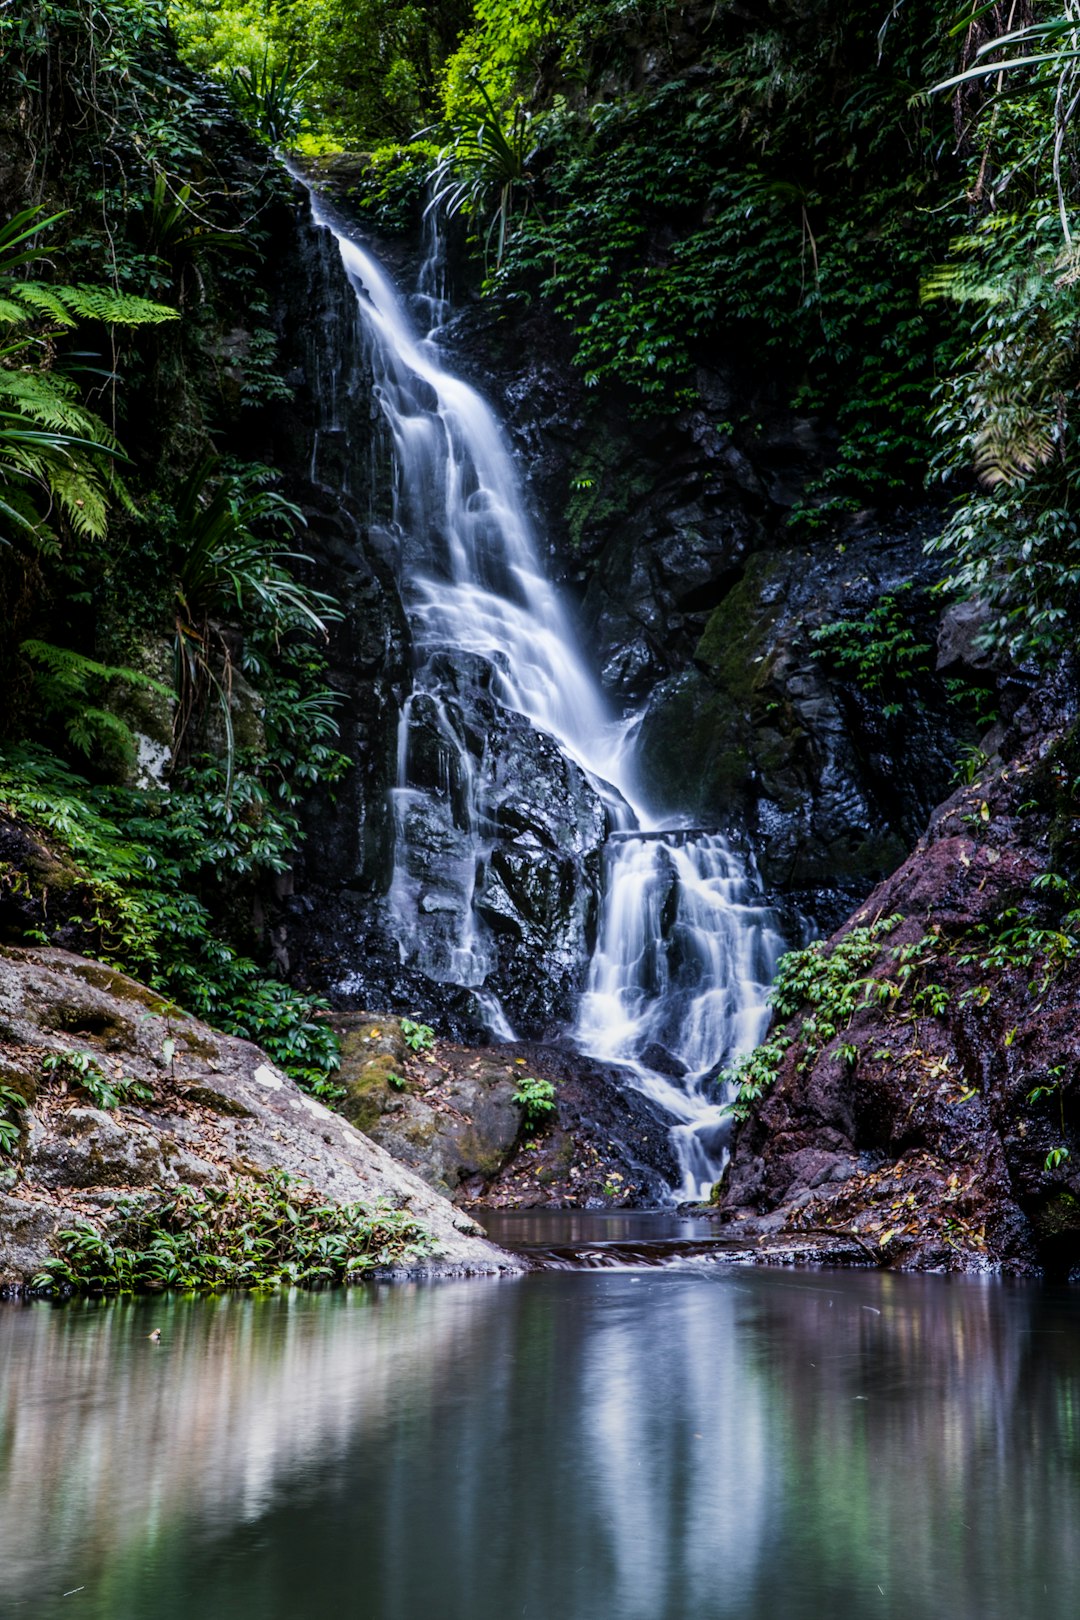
517, 783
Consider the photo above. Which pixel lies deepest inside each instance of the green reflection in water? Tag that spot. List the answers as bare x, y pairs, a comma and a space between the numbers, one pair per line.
688, 1444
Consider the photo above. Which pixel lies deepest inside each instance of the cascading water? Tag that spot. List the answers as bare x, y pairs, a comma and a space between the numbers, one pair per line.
684, 950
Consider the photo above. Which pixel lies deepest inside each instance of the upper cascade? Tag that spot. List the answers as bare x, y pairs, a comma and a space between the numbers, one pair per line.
683, 947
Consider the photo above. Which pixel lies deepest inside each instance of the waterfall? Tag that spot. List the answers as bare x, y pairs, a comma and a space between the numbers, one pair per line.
684, 949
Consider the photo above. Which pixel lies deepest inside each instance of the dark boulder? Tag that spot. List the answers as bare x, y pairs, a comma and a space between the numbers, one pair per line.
941, 1127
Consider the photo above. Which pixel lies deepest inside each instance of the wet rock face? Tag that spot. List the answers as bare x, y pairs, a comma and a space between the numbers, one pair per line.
930, 1128
699, 605
477, 776
694, 602
765, 732
327, 443
218, 1110
539, 891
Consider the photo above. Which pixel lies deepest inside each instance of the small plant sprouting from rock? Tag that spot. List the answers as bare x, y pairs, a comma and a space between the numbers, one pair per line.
881, 652
105, 1091
536, 1099
11, 1102
250, 1235
1053, 1087
832, 984
417, 1037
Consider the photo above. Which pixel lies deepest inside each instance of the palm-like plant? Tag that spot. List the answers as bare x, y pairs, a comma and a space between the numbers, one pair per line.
1054, 44
269, 99
486, 158
54, 452
232, 556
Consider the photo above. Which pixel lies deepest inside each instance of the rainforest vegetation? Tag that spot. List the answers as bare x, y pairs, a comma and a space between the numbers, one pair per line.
871, 202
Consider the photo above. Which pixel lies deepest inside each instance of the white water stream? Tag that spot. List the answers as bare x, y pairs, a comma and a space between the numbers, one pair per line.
685, 949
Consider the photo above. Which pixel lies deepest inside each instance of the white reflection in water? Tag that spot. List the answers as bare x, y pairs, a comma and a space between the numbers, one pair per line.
670, 1517
103, 1433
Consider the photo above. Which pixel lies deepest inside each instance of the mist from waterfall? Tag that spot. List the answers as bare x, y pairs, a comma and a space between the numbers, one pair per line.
685, 949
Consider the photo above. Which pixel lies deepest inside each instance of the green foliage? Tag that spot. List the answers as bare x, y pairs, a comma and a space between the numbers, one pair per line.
1033, 941
138, 910
70, 687
230, 560
270, 98
391, 192
11, 1102
483, 168
831, 983
767, 193
972, 762
53, 451
500, 56
536, 1099
83, 1070
371, 69
249, 1235
417, 1037
1007, 412
881, 652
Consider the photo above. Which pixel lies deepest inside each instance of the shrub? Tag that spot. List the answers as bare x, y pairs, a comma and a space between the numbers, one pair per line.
248, 1235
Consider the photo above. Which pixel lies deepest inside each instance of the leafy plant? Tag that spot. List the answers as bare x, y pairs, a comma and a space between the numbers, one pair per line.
485, 159
417, 1037
269, 96
11, 1102
536, 1099
251, 1234
230, 558
882, 651
972, 762
54, 452
830, 983
83, 1070
67, 684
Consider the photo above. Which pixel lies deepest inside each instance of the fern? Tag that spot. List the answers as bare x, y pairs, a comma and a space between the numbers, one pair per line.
55, 454
66, 681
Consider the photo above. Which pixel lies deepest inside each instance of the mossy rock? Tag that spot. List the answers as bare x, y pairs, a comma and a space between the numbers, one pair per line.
1059, 1217
118, 984
18, 1079
363, 1037
369, 1093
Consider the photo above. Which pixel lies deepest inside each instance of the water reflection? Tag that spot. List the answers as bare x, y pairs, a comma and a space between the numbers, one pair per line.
690, 1444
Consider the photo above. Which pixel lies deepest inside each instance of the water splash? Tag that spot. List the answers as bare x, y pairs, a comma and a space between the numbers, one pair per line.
678, 982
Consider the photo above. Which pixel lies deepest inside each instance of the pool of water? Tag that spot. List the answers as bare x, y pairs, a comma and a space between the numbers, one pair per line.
686, 1442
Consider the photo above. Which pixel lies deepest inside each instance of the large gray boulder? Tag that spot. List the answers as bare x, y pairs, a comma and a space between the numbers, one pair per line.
219, 1110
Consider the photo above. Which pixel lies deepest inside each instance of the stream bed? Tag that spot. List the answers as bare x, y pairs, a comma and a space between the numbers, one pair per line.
686, 1440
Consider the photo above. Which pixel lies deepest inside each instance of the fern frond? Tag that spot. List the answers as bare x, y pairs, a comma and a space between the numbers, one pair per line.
89, 728
1014, 441
12, 312
115, 309
40, 299
46, 400
78, 671
81, 497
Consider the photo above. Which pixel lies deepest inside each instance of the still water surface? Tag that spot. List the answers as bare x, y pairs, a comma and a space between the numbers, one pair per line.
691, 1442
